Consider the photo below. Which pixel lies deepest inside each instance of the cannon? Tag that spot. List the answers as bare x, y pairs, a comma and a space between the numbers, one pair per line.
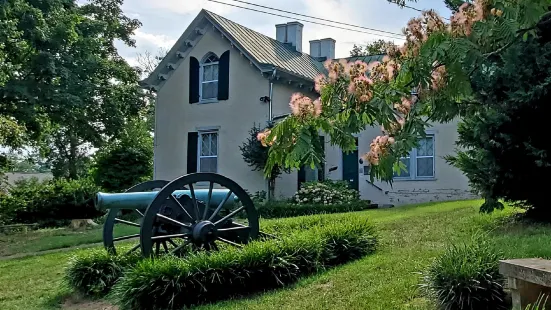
196, 211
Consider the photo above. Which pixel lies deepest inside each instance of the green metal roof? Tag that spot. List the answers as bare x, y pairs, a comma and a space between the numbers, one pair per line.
268, 52
366, 59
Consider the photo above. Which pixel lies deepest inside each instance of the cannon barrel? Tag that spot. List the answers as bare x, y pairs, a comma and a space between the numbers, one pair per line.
141, 200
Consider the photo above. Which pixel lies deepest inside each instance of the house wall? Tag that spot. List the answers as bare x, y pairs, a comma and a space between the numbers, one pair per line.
234, 117
15, 176
449, 182
175, 117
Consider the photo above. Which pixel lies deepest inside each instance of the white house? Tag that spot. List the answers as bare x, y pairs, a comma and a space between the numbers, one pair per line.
213, 85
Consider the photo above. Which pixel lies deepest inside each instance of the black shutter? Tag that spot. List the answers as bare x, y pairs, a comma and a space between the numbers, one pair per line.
301, 176
192, 151
321, 170
193, 80
224, 76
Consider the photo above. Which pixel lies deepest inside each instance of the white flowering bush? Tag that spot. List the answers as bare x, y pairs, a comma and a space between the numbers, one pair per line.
326, 192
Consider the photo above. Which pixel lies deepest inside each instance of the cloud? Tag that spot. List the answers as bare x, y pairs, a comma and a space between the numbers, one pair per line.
165, 20
146, 40
190, 6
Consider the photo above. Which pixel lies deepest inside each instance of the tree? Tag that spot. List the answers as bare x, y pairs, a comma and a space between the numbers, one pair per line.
377, 47
255, 154
147, 62
65, 83
504, 144
126, 161
428, 79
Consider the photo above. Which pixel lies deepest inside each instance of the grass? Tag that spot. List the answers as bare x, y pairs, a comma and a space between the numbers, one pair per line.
58, 238
410, 237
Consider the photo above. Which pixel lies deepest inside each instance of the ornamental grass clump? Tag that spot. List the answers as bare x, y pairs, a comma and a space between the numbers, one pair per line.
174, 283
466, 277
94, 273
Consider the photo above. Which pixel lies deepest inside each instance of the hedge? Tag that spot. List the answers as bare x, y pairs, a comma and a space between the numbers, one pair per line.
286, 209
172, 283
48, 202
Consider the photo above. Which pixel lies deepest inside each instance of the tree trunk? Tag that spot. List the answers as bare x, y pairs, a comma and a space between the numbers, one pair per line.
73, 158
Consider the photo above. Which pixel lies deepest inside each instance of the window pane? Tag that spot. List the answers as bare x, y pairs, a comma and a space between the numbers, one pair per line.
207, 73
426, 147
208, 164
210, 90
404, 174
213, 144
205, 145
425, 167
215, 72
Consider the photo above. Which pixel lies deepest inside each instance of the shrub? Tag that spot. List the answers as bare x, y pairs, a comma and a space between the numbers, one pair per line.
285, 209
127, 161
326, 192
49, 202
94, 273
170, 282
466, 277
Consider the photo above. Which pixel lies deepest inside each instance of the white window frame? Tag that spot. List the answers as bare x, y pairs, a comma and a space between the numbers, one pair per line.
413, 163
201, 82
200, 145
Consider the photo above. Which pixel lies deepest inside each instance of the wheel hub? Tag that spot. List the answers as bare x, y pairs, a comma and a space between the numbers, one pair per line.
204, 231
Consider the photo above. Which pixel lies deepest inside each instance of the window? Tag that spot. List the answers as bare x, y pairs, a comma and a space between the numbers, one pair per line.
208, 75
420, 161
208, 152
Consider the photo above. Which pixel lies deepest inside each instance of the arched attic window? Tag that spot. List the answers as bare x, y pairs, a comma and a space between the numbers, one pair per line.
208, 76
209, 79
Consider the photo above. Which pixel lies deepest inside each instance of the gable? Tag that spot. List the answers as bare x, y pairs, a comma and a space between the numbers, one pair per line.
263, 52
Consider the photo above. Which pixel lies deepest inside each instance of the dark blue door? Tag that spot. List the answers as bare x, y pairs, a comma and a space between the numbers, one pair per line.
350, 172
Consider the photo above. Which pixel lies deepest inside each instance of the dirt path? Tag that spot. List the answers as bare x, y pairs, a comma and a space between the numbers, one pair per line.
78, 303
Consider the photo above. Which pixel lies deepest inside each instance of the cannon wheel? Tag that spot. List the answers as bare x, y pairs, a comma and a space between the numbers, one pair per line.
112, 218
191, 224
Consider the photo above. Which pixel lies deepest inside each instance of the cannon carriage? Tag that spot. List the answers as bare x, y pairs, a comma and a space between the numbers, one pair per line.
196, 211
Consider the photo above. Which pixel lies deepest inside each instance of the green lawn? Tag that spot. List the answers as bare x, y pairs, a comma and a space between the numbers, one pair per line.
51, 239
410, 237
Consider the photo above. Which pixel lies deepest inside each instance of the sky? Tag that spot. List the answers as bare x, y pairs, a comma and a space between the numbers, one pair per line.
165, 20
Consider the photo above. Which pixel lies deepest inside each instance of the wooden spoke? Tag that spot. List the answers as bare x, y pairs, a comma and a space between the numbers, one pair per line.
194, 199
161, 237
181, 246
133, 249
165, 247
239, 228
230, 242
225, 218
157, 247
211, 185
182, 207
126, 222
139, 212
126, 237
173, 221
222, 203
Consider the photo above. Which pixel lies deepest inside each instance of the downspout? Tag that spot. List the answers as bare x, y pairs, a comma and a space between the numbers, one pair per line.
270, 113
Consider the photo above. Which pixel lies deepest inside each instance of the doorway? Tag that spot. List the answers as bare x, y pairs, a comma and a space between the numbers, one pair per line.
350, 168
